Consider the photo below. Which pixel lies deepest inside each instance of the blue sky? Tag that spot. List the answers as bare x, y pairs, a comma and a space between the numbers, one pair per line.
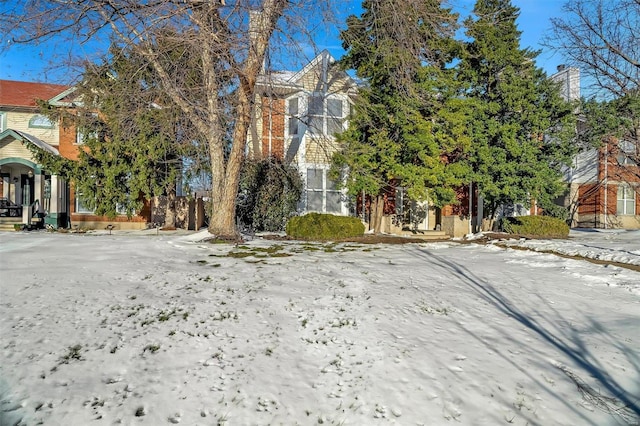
33, 63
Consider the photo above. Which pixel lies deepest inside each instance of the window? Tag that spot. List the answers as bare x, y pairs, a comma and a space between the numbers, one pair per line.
626, 200
3, 122
82, 204
325, 116
627, 154
121, 209
322, 192
87, 130
40, 122
294, 117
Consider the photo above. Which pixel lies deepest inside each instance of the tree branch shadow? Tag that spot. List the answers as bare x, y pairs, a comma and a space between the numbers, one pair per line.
618, 401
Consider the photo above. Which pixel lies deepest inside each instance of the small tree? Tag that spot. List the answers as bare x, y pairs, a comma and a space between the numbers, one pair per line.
602, 39
269, 194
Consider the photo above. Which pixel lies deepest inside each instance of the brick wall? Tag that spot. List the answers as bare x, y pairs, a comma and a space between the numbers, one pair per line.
273, 122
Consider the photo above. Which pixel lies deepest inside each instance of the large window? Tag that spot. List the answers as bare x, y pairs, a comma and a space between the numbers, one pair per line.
322, 193
325, 115
626, 200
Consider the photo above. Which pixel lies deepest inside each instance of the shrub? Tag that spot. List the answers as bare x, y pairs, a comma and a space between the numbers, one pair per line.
268, 194
316, 226
536, 226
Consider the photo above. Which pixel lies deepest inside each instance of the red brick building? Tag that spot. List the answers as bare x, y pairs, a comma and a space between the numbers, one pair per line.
28, 192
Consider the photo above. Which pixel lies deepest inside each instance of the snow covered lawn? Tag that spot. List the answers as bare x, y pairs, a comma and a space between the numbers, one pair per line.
146, 329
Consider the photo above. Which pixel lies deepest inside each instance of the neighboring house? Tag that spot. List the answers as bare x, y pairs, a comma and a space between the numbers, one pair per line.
295, 117
29, 193
604, 182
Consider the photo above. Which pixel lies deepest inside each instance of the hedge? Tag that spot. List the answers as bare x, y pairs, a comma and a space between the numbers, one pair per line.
536, 226
316, 226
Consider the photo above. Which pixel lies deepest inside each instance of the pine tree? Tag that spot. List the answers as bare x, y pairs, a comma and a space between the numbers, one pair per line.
131, 145
522, 129
407, 124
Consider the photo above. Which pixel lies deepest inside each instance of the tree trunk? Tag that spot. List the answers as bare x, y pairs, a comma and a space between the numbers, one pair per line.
377, 211
489, 222
170, 210
226, 177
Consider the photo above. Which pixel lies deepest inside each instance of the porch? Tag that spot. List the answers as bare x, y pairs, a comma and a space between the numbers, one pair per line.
28, 194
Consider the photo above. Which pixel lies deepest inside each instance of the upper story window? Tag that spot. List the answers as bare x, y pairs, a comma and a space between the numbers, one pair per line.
325, 115
3, 121
40, 122
293, 111
627, 153
86, 131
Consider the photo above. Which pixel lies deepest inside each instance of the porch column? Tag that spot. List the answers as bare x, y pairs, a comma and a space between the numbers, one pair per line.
6, 182
38, 182
53, 207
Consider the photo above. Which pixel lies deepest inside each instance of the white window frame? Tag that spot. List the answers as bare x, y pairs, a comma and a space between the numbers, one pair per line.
293, 116
81, 133
626, 200
324, 190
626, 153
324, 116
79, 205
3, 121
40, 121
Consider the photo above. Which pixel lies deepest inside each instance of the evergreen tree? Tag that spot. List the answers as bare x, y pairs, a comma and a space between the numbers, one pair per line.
130, 142
407, 124
522, 130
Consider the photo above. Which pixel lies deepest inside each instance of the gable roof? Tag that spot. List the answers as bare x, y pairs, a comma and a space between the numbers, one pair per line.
283, 82
324, 59
26, 137
24, 94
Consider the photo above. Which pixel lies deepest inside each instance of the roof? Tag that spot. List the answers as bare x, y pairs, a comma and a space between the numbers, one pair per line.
25, 94
285, 82
29, 138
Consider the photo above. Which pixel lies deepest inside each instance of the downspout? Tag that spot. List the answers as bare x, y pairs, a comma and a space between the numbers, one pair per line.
606, 178
270, 123
470, 207
427, 208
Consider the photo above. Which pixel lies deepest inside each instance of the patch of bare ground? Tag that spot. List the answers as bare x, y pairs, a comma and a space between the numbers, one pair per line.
366, 239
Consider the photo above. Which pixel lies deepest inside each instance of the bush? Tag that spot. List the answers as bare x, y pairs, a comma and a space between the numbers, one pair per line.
316, 226
268, 195
536, 226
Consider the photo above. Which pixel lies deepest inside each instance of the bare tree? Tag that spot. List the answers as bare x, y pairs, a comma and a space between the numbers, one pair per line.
230, 40
602, 38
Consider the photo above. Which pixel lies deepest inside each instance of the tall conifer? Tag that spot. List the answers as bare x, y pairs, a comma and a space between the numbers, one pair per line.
407, 124
522, 129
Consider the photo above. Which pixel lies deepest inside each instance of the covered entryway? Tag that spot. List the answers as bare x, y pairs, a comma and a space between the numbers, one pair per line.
28, 194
